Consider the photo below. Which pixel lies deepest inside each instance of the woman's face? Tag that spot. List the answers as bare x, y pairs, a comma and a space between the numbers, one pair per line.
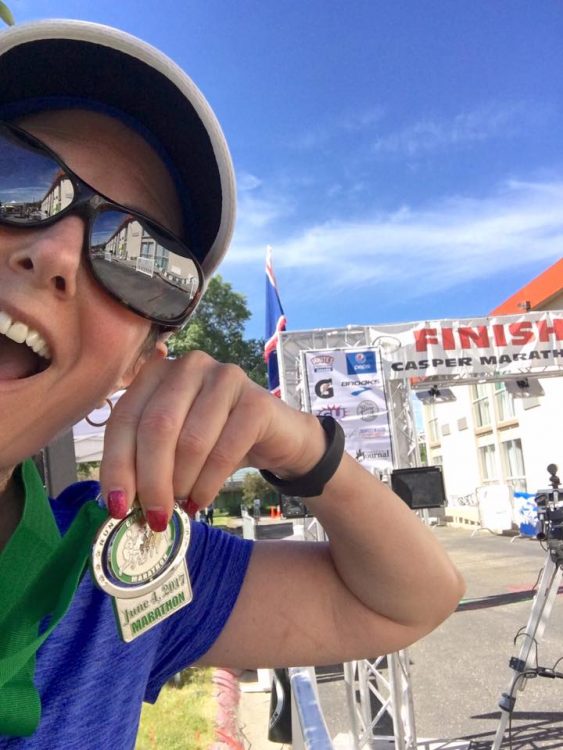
93, 341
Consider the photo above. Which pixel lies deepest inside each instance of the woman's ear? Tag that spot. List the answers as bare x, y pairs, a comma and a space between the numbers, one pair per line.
158, 351
161, 350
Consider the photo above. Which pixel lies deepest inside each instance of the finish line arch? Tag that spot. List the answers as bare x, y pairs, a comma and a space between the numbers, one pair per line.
425, 354
417, 356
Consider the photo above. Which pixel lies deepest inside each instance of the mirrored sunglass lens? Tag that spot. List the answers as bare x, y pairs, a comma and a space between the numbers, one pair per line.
32, 185
133, 264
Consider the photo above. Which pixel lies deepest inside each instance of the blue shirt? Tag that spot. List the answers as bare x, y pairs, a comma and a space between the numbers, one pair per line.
91, 683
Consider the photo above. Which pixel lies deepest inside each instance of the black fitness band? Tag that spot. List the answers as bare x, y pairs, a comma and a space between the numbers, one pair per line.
312, 483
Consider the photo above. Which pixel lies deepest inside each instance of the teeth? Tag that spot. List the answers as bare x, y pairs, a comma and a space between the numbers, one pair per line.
20, 333
5, 322
34, 341
17, 332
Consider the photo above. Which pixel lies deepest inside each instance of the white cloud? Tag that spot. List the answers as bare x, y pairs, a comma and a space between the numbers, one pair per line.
412, 251
257, 218
434, 134
327, 131
247, 181
360, 120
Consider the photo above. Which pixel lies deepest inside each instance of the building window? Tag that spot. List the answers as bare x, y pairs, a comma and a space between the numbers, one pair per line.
147, 249
513, 464
488, 464
161, 258
481, 409
504, 403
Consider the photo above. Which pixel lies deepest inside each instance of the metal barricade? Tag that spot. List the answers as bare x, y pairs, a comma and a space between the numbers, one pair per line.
145, 265
248, 524
309, 730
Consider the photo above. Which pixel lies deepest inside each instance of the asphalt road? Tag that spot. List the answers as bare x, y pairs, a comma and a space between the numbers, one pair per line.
460, 670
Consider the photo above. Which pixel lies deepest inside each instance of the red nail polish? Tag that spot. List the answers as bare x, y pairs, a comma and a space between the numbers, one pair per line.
191, 508
157, 519
117, 504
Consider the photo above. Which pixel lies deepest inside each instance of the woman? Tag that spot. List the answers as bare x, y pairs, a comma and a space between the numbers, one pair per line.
107, 147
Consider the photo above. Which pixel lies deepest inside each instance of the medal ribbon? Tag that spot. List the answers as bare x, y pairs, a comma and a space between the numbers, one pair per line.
39, 575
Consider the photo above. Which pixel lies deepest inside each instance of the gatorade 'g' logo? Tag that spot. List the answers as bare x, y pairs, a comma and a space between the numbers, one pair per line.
324, 389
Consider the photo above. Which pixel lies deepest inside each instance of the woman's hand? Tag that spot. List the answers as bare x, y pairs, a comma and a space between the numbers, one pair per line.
185, 425
382, 580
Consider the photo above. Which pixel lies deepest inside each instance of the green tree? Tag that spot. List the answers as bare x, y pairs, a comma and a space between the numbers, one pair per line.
87, 470
253, 486
6, 14
217, 327
423, 453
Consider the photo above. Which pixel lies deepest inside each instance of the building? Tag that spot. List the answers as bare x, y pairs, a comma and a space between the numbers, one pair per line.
488, 436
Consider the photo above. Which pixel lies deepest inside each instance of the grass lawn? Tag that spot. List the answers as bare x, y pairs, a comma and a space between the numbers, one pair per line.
182, 718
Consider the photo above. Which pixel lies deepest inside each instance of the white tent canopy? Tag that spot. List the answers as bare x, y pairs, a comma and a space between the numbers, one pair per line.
88, 440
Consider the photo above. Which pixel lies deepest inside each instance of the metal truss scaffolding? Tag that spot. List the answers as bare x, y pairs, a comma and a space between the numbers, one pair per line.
379, 690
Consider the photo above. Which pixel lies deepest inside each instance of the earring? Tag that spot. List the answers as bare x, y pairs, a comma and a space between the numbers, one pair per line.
101, 424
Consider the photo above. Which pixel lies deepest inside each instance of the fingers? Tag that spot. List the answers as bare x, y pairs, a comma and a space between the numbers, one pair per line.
227, 455
134, 423
181, 429
203, 427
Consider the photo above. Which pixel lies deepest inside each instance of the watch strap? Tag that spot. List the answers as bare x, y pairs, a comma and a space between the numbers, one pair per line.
313, 482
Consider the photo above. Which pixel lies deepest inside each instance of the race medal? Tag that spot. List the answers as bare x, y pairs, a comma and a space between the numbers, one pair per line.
144, 571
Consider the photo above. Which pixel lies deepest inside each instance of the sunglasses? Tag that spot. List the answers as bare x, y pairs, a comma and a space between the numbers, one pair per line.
139, 262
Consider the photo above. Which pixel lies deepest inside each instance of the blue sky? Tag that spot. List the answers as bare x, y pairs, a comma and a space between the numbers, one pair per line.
403, 158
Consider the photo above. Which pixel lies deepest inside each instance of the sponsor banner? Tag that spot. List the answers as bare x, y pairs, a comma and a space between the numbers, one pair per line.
502, 345
360, 363
348, 385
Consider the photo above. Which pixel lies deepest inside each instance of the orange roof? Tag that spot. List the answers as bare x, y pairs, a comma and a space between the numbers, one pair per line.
536, 292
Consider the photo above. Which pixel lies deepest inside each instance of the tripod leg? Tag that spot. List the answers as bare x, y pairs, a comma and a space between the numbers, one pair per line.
541, 609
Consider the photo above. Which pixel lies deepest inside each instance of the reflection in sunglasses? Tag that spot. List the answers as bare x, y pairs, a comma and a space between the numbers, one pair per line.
36, 186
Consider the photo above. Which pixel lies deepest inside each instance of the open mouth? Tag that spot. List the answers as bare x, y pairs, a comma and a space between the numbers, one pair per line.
23, 351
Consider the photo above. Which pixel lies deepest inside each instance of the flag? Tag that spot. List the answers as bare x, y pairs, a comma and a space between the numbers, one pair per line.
275, 322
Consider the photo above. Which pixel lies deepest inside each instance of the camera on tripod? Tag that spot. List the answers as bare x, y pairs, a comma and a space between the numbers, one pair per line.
550, 509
